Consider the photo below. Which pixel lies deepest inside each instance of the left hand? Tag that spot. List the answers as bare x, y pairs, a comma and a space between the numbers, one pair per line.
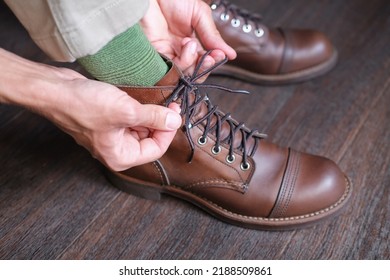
181, 30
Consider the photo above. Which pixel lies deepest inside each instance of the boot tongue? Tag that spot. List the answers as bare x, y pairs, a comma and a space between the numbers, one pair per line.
203, 108
172, 78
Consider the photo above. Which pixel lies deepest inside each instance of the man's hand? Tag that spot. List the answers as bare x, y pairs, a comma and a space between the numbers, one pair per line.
117, 130
182, 30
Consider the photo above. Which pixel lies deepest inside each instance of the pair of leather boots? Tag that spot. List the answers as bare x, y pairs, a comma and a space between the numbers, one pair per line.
225, 168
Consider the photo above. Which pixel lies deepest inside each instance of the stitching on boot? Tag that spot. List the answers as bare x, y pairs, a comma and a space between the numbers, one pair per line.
313, 214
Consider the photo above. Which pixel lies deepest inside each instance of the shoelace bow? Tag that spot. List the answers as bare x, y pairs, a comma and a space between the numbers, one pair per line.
239, 12
187, 86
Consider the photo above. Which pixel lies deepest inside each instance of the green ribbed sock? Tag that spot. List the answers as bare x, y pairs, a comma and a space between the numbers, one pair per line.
128, 59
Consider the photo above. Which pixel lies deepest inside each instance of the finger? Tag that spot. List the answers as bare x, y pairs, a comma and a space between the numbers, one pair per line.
155, 147
175, 107
144, 149
208, 62
188, 56
207, 31
214, 57
148, 149
154, 117
139, 132
186, 40
131, 151
217, 55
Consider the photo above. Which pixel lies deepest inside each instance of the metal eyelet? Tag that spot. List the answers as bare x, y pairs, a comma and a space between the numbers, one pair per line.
216, 150
230, 158
202, 140
225, 17
247, 28
245, 166
235, 22
213, 6
259, 32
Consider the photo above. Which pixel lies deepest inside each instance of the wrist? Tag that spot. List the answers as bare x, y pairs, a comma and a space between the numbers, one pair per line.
28, 84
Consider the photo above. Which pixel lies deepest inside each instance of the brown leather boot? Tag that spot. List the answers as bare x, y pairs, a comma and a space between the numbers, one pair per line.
270, 56
218, 164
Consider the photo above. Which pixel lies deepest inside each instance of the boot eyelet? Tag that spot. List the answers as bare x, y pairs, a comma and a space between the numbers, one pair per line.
230, 159
235, 22
259, 32
213, 6
216, 150
202, 140
245, 166
247, 28
225, 17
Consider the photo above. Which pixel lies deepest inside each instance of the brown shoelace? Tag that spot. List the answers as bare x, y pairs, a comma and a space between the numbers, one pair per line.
192, 100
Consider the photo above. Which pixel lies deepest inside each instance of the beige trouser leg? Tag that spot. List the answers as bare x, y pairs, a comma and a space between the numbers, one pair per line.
69, 29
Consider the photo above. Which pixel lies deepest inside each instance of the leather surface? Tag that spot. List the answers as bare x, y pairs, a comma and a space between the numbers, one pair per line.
277, 50
279, 183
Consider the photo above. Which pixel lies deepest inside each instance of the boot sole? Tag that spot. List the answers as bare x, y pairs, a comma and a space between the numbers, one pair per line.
279, 79
153, 191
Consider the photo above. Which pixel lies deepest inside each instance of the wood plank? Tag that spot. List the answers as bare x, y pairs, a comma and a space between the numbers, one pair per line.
304, 109
50, 188
55, 202
363, 231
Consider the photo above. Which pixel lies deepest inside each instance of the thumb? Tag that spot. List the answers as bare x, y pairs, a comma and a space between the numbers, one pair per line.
154, 117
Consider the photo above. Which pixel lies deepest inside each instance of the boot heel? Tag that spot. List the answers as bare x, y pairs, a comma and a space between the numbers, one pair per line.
134, 188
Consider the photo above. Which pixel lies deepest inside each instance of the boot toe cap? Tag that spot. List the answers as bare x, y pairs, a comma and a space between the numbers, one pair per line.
310, 49
314, 186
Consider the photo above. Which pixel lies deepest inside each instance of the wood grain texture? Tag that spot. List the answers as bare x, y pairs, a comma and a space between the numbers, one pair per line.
56, 204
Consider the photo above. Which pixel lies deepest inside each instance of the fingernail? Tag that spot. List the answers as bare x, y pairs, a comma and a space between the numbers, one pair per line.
173, 121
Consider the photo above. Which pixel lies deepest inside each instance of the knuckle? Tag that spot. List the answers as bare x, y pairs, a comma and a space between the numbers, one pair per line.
155, 118
131, 114
204, 7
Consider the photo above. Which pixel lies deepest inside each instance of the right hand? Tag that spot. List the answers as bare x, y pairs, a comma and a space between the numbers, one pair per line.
183, 31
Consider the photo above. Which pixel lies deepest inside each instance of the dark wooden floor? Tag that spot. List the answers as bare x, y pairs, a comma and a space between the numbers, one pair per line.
56, 204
